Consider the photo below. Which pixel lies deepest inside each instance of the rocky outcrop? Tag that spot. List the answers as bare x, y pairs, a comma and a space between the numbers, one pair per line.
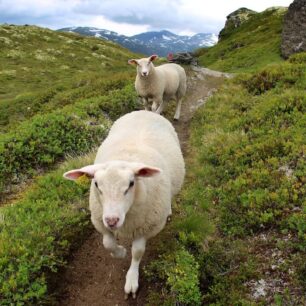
235, 20
186, 58
294, 29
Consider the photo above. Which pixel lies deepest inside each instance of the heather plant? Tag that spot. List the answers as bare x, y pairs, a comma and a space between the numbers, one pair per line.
245, 190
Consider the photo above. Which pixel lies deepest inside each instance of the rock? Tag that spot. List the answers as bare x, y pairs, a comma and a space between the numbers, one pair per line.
280, 9
294, 29
235, 20
182, 58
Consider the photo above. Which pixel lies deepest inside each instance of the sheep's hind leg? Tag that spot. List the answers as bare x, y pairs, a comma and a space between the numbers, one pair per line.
110, 243
178, 109
131, 283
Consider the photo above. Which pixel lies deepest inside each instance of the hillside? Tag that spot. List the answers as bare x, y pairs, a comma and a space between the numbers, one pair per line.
237, 233
46, 78
252, 45
158, 42
40, 64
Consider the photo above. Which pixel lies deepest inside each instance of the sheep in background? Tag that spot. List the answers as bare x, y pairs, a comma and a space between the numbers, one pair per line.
159, 84
138, 169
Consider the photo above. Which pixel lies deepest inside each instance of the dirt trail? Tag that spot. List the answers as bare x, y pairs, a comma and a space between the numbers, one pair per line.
92, 277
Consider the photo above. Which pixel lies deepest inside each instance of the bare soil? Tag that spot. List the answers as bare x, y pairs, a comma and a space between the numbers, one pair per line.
92, 276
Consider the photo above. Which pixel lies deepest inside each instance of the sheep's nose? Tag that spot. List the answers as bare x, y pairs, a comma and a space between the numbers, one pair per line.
144, 73
112, 221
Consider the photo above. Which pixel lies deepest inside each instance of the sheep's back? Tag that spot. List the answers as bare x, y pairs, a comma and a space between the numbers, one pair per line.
175, 78
148, 137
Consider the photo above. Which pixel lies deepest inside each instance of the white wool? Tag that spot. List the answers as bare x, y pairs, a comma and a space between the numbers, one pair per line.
148, 138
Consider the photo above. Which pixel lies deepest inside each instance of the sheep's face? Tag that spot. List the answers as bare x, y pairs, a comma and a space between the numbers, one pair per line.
144, 65
115, 184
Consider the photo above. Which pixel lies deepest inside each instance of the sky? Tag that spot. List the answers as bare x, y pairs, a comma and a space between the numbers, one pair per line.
130, 17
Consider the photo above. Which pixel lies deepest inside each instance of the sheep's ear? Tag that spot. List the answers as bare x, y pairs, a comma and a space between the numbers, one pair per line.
153, 57
132, 62
142, 170
89, 171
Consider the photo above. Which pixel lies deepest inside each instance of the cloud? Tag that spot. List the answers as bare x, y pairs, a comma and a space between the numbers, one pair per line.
130, 16
174, 15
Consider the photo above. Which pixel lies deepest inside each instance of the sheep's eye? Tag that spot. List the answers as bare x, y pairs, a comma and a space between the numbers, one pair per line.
96, 184
131, 184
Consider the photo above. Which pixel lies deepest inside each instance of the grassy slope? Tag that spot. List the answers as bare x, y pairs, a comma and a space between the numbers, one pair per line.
53, 82
42, 70
251, 143
249, 47
240, 221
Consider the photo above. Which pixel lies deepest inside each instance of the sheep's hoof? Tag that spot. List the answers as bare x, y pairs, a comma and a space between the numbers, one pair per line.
131, 284
176, 118
126, 296
154, 108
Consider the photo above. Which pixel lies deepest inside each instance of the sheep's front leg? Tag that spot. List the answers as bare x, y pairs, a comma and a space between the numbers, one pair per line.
110, 243
145, 104
158, 105
161, 107
131, 283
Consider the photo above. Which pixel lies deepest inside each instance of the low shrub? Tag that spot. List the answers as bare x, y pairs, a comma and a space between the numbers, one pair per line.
271, 77
248, 143
243, 199
36, 234
180, 271
46, 139
25, 106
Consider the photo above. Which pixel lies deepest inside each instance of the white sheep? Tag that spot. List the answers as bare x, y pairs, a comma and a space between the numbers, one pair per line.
138, 169
159, 84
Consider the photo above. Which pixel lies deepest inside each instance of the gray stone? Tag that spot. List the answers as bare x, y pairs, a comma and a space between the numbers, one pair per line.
182, 58
294, 29
235, 20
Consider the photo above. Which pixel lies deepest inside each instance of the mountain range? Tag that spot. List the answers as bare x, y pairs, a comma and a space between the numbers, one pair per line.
161, 42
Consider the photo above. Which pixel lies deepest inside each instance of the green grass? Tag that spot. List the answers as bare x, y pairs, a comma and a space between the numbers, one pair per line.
37, 233
33, 59
249, 47
44, 70
245, 180
39, 143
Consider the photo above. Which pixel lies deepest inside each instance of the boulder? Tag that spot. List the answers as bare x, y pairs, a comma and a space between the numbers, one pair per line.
294, 29
186, 58
235, 20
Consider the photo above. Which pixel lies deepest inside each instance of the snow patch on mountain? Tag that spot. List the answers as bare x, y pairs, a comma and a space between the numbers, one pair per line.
157, 42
